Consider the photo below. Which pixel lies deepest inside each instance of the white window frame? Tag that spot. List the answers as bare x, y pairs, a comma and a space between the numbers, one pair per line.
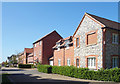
91, 61
34, 54
67, 47
59, 62
68, 62
40, 43
115, 38
115, 62
40, 52
35, 45
58, 49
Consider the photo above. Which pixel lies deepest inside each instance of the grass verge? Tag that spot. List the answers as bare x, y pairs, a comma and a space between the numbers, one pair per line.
5, 79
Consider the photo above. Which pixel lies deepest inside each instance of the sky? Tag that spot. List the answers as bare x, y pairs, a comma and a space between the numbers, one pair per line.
25, 22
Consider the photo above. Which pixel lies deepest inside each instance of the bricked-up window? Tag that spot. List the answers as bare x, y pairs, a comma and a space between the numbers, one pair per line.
92, 38
115, 38
77, 42
115, 62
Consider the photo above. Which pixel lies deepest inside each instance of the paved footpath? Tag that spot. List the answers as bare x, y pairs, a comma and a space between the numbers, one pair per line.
32, 76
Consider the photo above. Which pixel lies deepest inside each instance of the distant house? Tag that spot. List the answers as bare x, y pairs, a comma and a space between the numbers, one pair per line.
64, 52
42, 48
97, 43
26, 57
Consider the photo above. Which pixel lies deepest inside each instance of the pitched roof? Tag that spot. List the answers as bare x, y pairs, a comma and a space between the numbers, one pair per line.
106, 22
46, 36
102, 21
63, 41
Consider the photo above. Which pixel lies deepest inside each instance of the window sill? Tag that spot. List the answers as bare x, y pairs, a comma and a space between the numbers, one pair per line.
91, 44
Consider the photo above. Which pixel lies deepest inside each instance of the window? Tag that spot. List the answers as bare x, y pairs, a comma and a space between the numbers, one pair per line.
35, 45
58, 49
68, 62
91, 62
77, 63
91, 38
67, 47
40, 52
115, 38
115, 62
77, 42
40, 43
34, 54
59, 62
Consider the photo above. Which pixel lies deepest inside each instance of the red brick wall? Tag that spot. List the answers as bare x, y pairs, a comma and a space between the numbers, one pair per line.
69, 54
64, 54
48, 44
46, 47
58, 55
36, 51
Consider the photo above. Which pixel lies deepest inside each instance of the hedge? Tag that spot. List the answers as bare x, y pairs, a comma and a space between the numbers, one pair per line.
83, 73
25, 65
44, 68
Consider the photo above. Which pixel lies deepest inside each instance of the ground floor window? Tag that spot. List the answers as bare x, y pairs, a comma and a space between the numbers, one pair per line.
115, 62
91, 62
77, 63
68, 62
59, 62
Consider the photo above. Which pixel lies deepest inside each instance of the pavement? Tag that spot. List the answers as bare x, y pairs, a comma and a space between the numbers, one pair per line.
32, 76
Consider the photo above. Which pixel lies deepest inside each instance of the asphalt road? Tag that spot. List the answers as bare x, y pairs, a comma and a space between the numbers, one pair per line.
32, 76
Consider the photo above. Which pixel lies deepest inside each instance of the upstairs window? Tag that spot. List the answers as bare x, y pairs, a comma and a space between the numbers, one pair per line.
40, 43
115, 38
35, 45
77, 42
91, 38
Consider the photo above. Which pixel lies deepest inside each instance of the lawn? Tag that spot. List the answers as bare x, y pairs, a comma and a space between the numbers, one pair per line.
5, 79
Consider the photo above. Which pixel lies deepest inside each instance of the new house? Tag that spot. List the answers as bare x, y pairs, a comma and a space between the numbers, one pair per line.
64, 52
42, 48
97, 43
26, 56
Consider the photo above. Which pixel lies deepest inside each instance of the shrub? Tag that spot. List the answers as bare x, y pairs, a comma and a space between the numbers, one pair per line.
44, 68
25, 65
83, 73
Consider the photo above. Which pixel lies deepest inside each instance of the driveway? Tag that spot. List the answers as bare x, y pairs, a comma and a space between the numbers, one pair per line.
32, 76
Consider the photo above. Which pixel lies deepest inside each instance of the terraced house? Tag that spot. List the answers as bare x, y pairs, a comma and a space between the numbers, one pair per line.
26, 56
64, 52
43, 47
97, 43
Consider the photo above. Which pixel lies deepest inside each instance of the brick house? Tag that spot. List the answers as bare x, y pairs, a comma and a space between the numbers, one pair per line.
97, 43
21, 56
25, 56
42, 48
30, 58
64, 52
